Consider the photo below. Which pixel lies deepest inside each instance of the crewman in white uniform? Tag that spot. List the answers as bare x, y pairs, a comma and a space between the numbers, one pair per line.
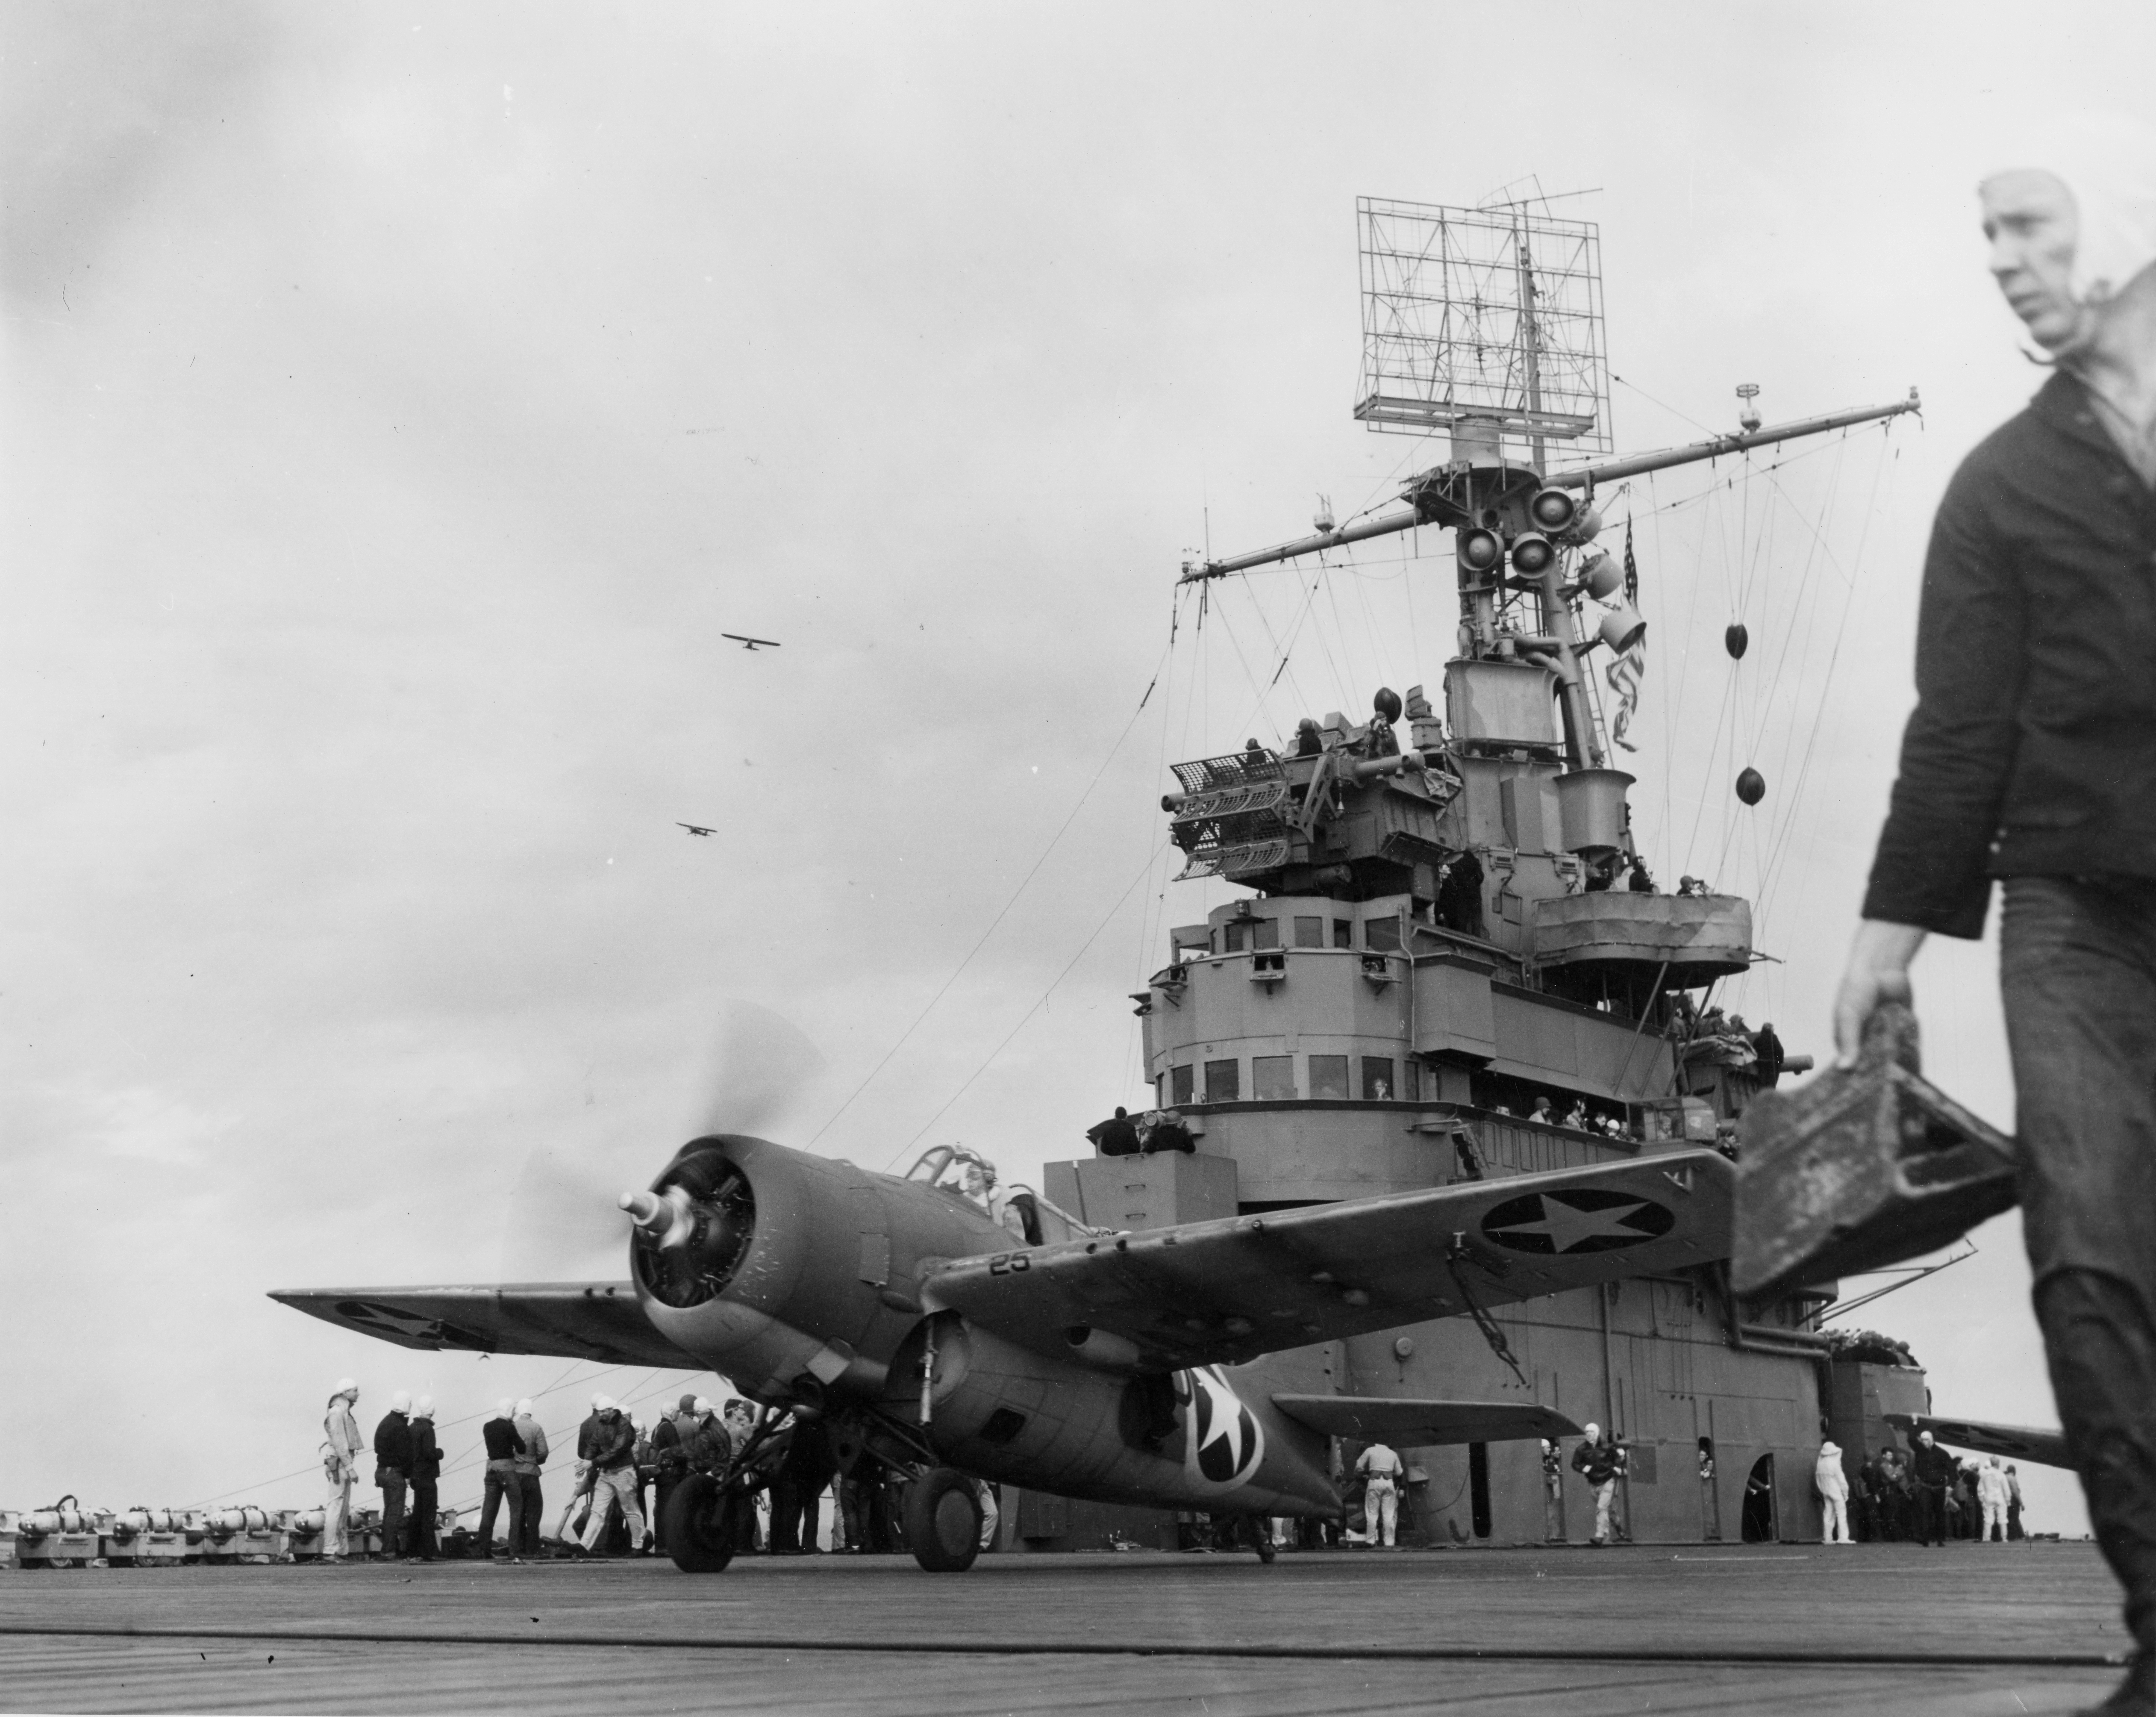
1833, 1485
1381, 1502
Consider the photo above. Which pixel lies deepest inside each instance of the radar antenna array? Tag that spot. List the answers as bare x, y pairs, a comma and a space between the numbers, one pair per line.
1485, 323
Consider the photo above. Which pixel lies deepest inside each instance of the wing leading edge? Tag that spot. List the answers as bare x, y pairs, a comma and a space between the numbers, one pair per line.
576, 1320
1223, 1292
2016, 1443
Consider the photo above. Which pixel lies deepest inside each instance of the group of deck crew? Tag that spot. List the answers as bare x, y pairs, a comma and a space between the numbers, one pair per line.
1924, 1497
625, 1470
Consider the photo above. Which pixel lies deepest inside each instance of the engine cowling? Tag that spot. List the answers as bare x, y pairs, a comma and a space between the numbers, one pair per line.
789, 1274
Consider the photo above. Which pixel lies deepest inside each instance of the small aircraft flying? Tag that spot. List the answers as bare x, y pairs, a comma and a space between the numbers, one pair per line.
951, 1344
695, 828
753, 643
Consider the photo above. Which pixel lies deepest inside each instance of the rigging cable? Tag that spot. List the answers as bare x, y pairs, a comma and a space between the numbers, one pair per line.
1143, 872
959, 969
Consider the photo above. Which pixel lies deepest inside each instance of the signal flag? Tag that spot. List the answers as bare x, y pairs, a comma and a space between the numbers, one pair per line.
1628, 670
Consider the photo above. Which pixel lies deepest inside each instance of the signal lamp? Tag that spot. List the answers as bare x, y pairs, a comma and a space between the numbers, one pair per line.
1532, 554
1602, 576
1554, 509
1479, 550
1587, 526
1622, 627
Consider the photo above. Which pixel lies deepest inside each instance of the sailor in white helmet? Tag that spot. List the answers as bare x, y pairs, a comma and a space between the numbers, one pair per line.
1381, 1502
1833, 1485
341, 1447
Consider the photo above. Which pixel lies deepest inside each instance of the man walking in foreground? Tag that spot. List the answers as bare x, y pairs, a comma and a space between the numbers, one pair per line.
607, 1443
1599, 1461
2031, 757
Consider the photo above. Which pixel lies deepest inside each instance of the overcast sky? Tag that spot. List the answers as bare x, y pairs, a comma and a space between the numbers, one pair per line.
401, 400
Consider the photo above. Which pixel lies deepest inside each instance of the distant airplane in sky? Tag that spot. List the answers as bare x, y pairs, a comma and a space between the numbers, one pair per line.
695, 829
751, 643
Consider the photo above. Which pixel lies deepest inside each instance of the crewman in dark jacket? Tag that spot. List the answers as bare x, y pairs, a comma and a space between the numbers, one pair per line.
606, 1447
426, 1473
2031, 758
393, 1470
669, 1449
803, 1475
1599, 1461
1116, 1136
1935, 1470
503, 1446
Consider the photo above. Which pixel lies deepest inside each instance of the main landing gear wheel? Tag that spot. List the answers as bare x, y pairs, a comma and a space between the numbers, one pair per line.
700, 1521
943, 1520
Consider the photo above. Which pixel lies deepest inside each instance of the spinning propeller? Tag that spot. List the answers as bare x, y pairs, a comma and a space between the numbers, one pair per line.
565, 1212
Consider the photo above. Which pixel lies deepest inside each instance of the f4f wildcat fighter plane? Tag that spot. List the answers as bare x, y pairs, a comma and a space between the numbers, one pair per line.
1152, 1368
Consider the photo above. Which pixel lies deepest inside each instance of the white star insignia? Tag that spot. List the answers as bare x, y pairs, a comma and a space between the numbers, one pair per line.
1567, 1227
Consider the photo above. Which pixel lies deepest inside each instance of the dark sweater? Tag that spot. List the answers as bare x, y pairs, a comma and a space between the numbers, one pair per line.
392, 1442
1934, 1465
426, 1454
502, 1442
2032, 749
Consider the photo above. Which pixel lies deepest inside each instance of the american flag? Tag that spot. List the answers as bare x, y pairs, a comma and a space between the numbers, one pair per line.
1626, 673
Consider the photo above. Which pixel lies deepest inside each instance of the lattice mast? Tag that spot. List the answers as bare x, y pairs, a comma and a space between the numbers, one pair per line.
1486, 326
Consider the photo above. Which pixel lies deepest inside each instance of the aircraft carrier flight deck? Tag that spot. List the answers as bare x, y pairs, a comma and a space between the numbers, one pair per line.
1967, 1629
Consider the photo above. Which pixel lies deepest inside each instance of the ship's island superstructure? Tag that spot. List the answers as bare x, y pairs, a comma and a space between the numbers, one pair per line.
1452, 964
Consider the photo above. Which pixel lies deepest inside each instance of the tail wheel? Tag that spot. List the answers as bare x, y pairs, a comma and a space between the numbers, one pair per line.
701, 1520
943, 1520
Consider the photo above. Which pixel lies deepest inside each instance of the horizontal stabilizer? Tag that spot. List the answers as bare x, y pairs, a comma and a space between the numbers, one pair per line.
576, 1320
2014, 1442
1414, 1423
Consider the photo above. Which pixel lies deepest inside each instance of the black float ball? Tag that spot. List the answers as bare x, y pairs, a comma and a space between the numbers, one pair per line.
1736, 639
1751, 786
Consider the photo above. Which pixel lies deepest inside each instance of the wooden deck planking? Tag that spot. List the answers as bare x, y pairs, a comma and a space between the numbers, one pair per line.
1967, 1600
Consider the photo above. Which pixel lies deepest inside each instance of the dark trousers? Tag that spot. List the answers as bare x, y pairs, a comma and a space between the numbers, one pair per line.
503, 1485
393, 1511
2078, 966
662, 1488
531, 1506
420, 1539
1931, 1513
854, 1513
793, 1509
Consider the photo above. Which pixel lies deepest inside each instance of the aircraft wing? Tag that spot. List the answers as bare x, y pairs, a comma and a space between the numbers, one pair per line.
1225, 1292
1418, 1424
577, 1320
2016, 1443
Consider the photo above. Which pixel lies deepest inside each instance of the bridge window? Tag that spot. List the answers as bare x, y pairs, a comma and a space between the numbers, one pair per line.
1272, 1078
1328, 1076
1343, 933
1221, 1083
1265, 934
1310, 933
1234, 939
1178, 1084
1383, 933
1378, 1085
